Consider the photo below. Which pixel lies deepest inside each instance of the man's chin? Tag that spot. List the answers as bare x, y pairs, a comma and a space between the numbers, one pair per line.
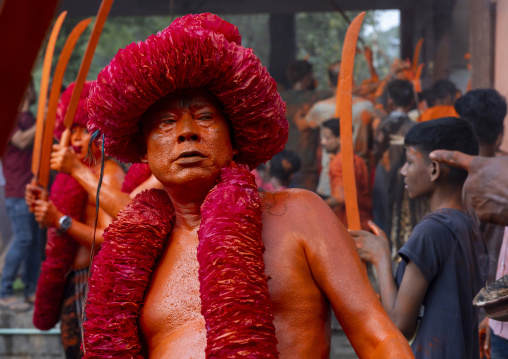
189, 176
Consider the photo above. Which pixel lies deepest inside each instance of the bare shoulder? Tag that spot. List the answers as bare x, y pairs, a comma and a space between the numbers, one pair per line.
300, 210
113, 173
290, 202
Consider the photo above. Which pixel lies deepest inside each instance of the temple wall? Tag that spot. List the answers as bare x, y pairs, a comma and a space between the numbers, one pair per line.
501, 58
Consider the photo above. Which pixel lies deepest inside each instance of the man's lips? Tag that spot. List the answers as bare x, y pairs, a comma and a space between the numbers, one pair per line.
190, 154
190, 157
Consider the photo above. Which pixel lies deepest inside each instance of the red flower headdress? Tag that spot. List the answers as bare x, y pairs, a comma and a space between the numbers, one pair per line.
81, 116
195, 51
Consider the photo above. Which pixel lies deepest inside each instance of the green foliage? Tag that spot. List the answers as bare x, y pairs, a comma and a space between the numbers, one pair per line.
319, 36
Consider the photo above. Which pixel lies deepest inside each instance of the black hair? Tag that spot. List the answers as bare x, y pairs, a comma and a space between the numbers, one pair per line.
334, 125
428, 96
446, 133
443, 88
333, 73
485, 110
401, 92
277, 168
297, 70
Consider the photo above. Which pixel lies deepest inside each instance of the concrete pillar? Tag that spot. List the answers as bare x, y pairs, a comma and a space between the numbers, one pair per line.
482, 33
501, 58
282, 45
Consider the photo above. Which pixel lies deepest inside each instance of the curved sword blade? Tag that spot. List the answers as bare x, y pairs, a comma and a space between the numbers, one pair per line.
43, 93
87, 61
47, 140
416, 55
345, 113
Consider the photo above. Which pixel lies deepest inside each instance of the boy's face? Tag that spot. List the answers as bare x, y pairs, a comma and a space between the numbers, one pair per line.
419, 172
329, 141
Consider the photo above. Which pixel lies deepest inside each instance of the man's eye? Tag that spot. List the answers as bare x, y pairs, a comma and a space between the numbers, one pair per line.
205, 116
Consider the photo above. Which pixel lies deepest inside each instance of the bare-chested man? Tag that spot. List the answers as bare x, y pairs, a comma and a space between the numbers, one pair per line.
207, 267
69, 215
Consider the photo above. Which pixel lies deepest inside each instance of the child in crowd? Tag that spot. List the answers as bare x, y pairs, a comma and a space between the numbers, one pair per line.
444, 261
330, 140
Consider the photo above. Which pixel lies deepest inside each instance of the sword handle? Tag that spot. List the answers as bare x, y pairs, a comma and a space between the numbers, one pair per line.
66, 138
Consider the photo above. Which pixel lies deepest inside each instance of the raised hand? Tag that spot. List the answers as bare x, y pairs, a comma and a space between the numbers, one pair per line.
486, 185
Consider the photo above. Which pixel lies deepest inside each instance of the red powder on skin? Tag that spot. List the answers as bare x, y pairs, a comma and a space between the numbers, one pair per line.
234, 290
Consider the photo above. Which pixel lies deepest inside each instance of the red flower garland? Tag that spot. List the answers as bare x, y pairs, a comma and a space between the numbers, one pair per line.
121, 273
233, 284
70, 198
230, 248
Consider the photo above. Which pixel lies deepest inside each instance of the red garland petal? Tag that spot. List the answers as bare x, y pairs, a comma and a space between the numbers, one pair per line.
233, 285
70, 198
121, 273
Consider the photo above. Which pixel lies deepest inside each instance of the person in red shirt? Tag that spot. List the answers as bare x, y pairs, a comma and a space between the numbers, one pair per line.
331, 144
26, 245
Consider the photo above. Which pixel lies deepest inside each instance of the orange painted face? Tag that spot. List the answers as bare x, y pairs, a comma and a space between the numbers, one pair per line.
417, 172
80, 137
187, 138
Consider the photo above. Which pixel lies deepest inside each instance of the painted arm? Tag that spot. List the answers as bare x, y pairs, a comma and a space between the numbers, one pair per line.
339, 273
401, 304
23, 139
47, 215
112, 198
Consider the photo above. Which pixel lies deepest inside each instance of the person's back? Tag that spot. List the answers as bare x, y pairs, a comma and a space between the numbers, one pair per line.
448, 248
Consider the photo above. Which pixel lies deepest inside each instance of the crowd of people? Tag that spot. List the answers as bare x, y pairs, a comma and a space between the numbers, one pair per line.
228, 232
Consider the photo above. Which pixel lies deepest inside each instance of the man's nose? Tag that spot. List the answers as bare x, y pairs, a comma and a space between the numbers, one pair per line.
187, 129
403, 170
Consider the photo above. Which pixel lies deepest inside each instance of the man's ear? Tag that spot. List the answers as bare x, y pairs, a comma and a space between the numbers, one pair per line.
435, 170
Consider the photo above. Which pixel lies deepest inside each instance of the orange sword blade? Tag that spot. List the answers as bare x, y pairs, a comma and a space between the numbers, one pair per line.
416, 55
85, 66
47, 140
43, 94
344, 111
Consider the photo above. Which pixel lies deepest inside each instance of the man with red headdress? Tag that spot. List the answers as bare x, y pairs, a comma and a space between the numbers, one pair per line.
208, 267
69, 215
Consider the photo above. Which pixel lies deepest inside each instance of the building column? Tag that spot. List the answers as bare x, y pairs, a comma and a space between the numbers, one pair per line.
282, 46
482, 39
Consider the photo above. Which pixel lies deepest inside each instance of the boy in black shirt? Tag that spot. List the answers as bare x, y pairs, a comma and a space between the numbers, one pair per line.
444, 261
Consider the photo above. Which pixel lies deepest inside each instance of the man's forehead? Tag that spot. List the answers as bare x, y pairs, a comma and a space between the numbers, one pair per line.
415, 152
